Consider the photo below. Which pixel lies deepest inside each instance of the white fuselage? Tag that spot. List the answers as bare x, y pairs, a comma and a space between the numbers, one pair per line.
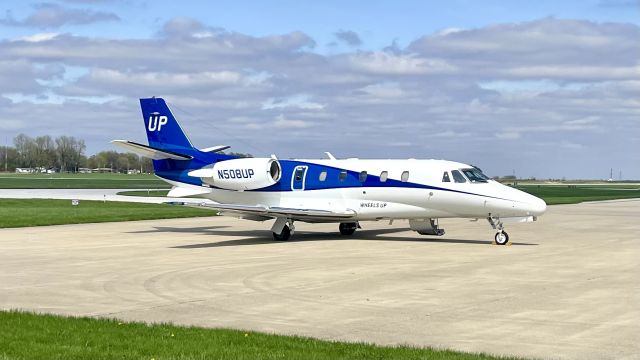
421, 193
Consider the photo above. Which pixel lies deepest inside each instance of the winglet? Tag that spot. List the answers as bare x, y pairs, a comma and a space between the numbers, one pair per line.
330, 156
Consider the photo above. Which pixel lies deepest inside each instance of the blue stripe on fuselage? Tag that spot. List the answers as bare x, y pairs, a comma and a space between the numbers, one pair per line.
352, 180
178, 173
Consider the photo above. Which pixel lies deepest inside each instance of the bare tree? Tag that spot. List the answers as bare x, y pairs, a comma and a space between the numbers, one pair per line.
69, 152
44, 151
9, 158
25, 147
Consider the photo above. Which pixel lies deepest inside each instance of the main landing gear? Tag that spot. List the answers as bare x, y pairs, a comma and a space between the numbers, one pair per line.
501, 238
348, 228
284, 235
282, 229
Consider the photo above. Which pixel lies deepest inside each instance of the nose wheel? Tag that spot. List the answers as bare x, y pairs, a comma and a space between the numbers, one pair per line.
502, 238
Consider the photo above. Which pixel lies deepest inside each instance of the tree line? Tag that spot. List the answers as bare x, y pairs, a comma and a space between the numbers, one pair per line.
65, 154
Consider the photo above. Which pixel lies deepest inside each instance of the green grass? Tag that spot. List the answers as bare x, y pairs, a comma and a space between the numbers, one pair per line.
80, 181
38, 212
32, 336
573, 194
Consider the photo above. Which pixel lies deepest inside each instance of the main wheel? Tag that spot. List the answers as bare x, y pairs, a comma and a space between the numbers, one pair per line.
284, 235
502, 238
348, 228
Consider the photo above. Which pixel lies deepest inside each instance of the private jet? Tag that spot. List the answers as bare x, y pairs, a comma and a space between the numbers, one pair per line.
342, 191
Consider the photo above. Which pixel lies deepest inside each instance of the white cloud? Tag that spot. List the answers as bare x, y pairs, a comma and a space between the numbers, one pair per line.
511, 135
300, 101
39, 37
165, 79
575, 72
50, 15
384, 90
451, 134
448, 31
408, 64
282, 122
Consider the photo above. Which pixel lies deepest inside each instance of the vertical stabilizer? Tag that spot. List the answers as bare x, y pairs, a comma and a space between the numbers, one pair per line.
163, 130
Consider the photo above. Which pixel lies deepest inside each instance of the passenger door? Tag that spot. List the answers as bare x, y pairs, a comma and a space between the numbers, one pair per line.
298, 178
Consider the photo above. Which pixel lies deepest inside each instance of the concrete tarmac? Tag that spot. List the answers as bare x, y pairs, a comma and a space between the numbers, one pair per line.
568, 287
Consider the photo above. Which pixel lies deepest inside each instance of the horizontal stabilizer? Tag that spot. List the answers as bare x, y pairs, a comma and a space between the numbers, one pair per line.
150, 152
215, 149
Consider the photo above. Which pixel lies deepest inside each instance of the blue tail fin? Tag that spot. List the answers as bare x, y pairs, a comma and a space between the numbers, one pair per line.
170, 144
163, 130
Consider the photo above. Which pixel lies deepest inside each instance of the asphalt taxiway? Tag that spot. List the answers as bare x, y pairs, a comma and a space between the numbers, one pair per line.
568, 287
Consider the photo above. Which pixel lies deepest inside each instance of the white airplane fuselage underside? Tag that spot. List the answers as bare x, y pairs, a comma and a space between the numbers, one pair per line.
377, 203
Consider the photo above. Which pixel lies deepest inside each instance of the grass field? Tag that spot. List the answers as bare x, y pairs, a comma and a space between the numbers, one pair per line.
38, 212
572, 194
80, 181
31, 336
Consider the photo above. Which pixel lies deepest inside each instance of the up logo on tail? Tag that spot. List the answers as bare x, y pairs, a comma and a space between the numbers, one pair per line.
156, 121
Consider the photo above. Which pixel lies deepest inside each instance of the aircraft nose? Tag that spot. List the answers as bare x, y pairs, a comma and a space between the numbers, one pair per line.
537, 206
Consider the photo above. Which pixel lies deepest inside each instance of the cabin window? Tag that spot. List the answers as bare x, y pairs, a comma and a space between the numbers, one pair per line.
405, 176
299, 173
363, 176
323, 176
343, 175
445, 177
457, 177
383, 176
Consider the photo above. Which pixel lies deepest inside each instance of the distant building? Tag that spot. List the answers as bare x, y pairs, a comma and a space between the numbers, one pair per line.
84, 170
102, 170
133, 171
25, 170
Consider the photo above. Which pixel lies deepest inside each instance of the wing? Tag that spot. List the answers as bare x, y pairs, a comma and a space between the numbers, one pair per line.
263, 212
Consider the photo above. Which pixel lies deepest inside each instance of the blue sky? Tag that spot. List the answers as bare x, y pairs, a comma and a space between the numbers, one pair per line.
548, 88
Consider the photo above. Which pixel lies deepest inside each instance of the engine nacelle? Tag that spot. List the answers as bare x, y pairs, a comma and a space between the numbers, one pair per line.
242, 174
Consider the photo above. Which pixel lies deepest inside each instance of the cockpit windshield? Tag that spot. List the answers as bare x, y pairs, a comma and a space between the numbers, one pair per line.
475, 175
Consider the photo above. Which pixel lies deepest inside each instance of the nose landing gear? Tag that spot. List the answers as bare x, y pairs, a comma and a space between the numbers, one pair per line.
501, 238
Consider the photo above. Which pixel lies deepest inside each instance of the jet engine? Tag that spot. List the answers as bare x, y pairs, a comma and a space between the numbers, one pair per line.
241, 174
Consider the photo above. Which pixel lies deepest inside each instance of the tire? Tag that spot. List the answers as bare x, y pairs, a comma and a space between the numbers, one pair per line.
284, 235
502, 238
348, 228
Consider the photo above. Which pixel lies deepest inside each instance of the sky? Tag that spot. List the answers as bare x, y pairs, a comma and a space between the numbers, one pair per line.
545, 89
